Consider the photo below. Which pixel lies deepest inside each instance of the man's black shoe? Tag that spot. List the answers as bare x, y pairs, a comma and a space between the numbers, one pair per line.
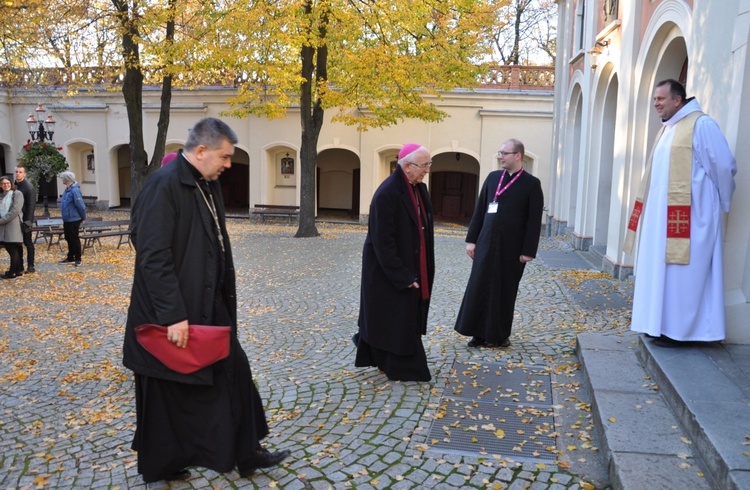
504, 343
262, 458
477, 342
30, 270
67, 261
176, 476
78, 263
665, 341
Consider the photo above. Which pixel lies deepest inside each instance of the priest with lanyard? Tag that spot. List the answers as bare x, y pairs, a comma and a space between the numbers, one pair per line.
688, 183
398, 265
503, 237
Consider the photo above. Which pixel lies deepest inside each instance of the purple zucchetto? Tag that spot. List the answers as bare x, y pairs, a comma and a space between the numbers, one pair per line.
408, 149
168, 158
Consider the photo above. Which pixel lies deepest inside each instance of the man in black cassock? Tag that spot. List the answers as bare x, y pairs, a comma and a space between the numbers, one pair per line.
184, 274
503, 236
398, 265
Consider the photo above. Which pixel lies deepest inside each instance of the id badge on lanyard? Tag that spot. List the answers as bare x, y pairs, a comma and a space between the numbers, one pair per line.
492, 208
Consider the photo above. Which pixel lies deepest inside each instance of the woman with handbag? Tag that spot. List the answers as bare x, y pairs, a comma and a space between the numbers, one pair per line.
11, 236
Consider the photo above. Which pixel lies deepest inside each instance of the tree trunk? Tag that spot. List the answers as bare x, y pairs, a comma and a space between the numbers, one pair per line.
314, 70
162, 126
132, 91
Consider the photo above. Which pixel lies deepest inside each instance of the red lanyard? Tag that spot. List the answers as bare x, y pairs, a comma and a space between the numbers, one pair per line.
499, 191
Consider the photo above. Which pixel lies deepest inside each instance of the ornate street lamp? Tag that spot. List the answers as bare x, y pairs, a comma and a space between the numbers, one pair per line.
46, 128
41, 130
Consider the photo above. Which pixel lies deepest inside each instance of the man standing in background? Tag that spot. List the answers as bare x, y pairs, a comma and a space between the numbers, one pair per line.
27, 216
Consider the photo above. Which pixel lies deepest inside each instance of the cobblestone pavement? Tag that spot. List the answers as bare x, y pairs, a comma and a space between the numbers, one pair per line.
67, 403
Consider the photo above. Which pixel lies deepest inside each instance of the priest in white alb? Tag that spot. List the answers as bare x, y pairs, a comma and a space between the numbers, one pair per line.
688, 184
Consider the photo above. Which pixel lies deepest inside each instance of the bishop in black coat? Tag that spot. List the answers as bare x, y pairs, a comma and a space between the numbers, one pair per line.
398, 266
184, 274
502, 238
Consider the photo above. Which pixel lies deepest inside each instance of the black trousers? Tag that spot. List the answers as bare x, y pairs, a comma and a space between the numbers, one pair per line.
70, 231
29, 243
16, 263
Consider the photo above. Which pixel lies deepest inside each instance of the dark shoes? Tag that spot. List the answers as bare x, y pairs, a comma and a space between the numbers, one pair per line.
30, 270
178, 476
262, 458
480, 342
67, 261
8, 275
78, 263
183, 474
477, 342
665, 341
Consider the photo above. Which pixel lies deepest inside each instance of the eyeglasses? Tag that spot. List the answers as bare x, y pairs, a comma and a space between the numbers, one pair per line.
506, 153
423, 166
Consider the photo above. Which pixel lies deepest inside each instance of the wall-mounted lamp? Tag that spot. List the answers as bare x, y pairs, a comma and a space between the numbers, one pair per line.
596, 51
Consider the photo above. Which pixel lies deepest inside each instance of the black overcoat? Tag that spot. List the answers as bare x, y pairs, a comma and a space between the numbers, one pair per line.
392, 316
500, 238
172, 281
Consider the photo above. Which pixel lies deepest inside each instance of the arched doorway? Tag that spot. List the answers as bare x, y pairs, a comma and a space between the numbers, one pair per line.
338, 177
606, 163
235, 182
454, 178
124, 179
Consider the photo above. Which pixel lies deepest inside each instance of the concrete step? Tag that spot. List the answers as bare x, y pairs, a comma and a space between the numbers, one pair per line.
708, 388
644, 444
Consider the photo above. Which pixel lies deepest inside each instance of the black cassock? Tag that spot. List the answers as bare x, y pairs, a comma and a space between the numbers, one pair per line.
392, 316
500, 238
214, 417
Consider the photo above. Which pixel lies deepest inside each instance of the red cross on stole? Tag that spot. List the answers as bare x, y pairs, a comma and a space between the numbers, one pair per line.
678, 221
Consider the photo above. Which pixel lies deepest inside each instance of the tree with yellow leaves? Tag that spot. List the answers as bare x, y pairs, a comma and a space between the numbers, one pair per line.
375, 62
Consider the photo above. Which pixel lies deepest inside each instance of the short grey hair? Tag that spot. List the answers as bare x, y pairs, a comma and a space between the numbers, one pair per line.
211, 133
68, 177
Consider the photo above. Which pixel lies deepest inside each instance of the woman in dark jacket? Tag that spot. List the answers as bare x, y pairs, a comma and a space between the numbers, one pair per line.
11, 236
73, 215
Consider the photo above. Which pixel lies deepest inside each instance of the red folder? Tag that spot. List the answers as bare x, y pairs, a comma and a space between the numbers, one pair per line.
206, 345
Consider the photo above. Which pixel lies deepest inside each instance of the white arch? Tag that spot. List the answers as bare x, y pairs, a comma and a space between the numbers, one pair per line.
449, 149
350, 148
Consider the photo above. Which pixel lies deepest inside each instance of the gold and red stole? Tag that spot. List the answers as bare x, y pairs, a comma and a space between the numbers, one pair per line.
678, 193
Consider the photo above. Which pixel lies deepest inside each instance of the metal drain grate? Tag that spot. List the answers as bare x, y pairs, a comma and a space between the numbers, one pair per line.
490, 409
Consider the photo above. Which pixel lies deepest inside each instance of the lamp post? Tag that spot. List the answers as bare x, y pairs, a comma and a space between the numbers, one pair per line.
41, 130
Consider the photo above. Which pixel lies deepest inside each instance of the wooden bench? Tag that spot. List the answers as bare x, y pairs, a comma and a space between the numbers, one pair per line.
88, 201
93, 232
276, 210
51, 230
